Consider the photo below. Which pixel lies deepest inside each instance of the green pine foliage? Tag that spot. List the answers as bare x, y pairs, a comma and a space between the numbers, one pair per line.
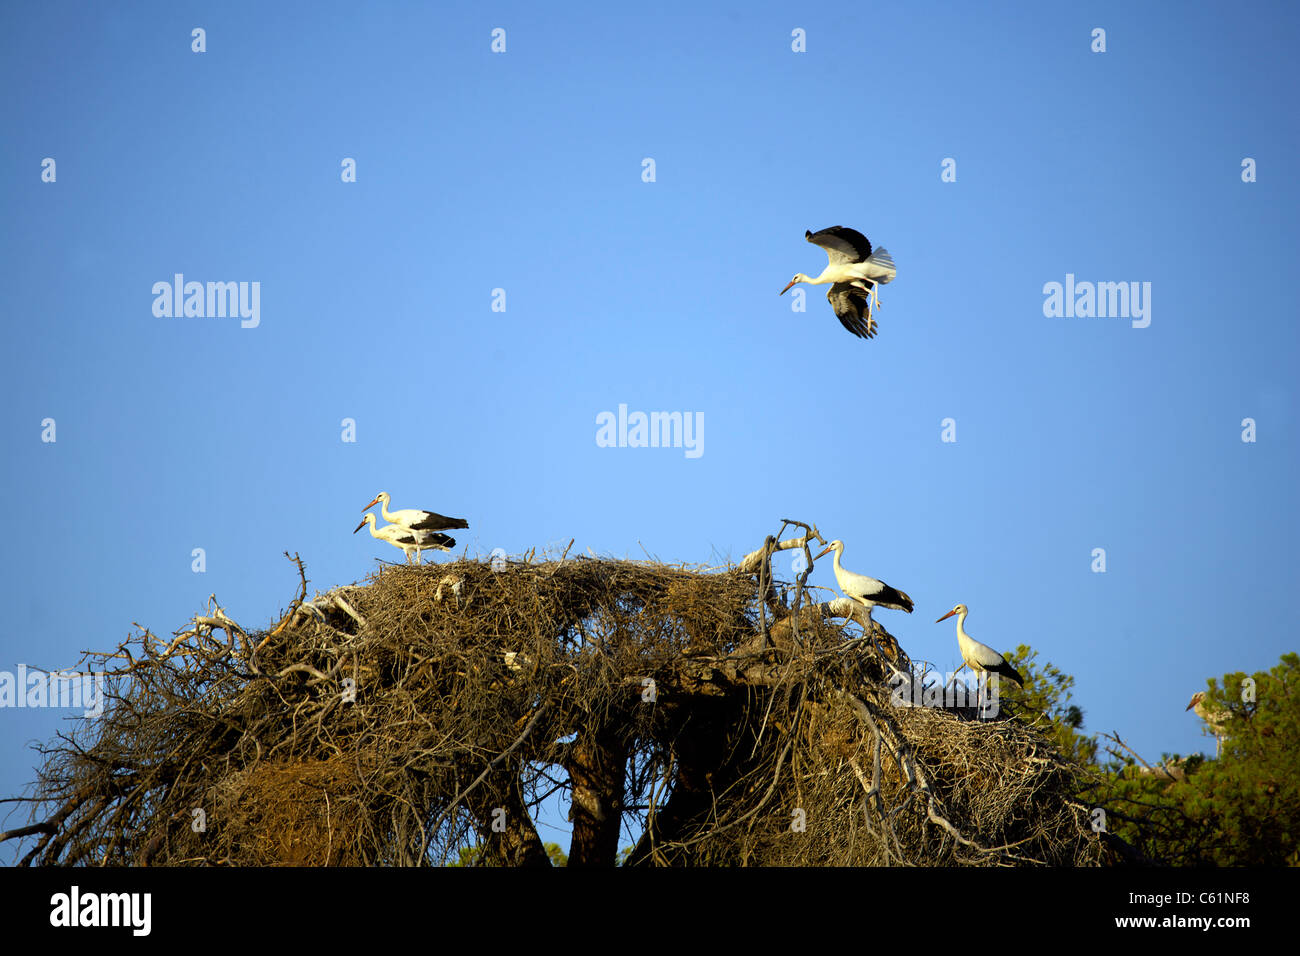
1239, 809
1044, 703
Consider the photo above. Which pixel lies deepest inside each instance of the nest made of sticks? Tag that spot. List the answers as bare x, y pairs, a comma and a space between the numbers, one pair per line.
723, 716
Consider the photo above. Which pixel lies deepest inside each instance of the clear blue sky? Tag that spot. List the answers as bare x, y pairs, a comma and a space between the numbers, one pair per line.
523, 171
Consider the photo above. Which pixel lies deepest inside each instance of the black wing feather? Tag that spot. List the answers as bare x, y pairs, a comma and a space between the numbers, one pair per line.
1006, 670
850, 243
436, 522
852, 309
892, 597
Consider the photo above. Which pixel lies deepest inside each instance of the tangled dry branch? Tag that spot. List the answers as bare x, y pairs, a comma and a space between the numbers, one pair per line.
725, 716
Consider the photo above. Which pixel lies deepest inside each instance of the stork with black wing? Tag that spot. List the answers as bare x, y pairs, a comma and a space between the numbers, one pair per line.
854, 271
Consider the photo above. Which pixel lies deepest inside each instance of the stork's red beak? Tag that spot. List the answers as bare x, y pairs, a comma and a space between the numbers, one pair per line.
358, 527
369, 506
825, 550
787, 288
946, 616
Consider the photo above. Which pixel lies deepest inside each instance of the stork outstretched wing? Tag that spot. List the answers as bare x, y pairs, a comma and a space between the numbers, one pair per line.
841, 243
852, 308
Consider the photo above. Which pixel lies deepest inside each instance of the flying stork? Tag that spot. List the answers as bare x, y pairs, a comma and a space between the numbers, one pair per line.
414, 519
854, 270
411, 541
980, 657
866, 591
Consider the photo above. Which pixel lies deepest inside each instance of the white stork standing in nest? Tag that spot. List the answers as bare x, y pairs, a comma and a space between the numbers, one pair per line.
866, 591
414, 519
854, 270
411, 541
980, 658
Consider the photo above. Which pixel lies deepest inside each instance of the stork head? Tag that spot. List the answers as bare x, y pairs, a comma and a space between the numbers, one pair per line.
368, 519
836, 545
798, 277
382, 496
1196, 699
959, 609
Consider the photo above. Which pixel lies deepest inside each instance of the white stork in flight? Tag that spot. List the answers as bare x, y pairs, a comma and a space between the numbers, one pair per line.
980, 658
866, 591
413, 519
854, 270
411, 541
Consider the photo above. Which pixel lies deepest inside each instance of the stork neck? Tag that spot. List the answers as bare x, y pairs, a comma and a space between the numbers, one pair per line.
961, 626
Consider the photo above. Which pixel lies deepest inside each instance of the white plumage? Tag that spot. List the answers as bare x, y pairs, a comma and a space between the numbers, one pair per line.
1217, 721
980, 658
415, 519
855, 270
867, 591
977, 656
410, 541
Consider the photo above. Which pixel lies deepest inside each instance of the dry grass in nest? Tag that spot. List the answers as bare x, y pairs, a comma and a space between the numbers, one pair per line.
435, 707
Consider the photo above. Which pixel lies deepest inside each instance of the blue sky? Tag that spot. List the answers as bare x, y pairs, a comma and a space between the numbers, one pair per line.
522, 171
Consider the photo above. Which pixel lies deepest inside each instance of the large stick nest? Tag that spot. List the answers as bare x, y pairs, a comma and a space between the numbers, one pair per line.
719, 715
